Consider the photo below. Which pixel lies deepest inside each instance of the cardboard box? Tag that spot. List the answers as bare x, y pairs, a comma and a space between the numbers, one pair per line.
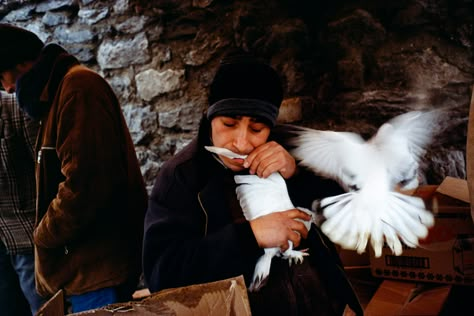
407, 298
54, 306
350, 258
221, 298
447, 254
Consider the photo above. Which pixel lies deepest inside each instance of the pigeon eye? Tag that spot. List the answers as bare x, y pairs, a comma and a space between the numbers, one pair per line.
409, 176
404, 181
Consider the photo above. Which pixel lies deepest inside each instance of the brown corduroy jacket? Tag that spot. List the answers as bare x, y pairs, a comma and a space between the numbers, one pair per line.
91, 194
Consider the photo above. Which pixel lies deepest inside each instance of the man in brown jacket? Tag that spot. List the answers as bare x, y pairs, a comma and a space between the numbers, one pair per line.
91, 195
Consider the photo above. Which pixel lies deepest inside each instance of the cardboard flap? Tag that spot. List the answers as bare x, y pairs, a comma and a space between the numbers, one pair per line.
221, 298
54, 306
455, 188
394, 298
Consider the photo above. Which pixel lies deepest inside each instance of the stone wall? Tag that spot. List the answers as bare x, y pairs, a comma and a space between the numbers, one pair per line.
346, 65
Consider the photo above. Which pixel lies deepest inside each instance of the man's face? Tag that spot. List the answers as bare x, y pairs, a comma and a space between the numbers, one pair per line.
240, 134
9, 77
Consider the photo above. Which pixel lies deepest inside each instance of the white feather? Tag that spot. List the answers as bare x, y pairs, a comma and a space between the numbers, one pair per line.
224, 152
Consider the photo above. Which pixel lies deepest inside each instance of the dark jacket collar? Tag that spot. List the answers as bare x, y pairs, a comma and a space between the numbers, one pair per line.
36, 89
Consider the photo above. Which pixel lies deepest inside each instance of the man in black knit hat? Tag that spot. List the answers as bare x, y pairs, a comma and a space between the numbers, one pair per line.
195, 231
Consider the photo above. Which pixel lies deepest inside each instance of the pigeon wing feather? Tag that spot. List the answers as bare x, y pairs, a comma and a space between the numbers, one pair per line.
402, 141
326, 153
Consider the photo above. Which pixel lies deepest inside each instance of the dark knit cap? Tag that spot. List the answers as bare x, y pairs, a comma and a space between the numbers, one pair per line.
245, 86
17, 46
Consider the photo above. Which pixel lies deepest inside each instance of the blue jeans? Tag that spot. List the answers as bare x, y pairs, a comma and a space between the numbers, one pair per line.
93, 299
18, 294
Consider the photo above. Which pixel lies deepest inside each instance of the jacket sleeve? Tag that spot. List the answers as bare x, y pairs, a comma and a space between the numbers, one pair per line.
178, 249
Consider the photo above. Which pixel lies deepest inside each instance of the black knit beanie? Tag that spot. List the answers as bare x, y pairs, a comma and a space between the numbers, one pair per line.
245, 86
17, 46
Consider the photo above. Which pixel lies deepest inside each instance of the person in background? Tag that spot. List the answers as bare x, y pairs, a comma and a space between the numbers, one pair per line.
17, 210
91, 195
195, 231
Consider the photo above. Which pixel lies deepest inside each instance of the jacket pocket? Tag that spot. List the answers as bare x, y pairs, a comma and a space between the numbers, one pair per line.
49, 270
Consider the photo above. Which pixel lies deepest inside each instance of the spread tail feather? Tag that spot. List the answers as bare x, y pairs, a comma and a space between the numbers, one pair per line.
262, 269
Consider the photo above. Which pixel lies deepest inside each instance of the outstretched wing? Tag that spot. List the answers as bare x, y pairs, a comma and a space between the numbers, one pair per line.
402, 141
341, 156
416, 128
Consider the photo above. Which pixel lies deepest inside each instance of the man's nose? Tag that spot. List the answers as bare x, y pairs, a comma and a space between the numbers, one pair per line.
241, 142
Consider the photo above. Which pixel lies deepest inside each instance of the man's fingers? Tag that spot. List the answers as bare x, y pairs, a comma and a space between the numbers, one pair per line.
299, 228
266, 171
296, 213
284, 247
294, 237
259, 163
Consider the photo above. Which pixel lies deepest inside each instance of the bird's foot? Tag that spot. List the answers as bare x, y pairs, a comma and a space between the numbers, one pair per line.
295, 256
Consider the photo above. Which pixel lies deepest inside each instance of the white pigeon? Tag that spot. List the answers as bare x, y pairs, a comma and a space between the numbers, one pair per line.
261, 196
371, 171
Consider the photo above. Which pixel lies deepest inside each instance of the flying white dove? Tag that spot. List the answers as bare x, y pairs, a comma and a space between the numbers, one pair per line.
261, 196
370, 171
